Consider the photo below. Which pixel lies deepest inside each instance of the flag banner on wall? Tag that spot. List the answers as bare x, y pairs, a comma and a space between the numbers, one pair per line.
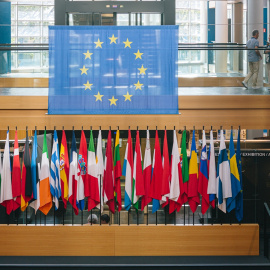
113, 70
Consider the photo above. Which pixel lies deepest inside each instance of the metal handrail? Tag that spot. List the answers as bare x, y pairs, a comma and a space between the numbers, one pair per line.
266, 238
183, 46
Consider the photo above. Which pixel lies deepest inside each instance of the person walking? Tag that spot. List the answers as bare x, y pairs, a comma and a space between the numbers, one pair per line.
254, 57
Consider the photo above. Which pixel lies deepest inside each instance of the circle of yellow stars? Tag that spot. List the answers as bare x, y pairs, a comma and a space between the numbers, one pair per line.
138, 55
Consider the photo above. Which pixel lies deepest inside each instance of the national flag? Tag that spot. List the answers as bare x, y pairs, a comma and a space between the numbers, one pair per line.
223, 175
193, 195
82, 171
185, 173
16, 176
55, 172
35, 174
26, 188
147, 172
203, 177
239, 197
6, 186
100, 170
176, 177
138, 186
92, 184
117, 173
73, 176
64, 169
128, 172
44, 188
235, 178
156, 183
108, 182
212, 184
165, 186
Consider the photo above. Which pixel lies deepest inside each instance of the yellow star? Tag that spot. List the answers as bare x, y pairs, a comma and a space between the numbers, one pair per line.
127, 96
127, 43
113, 39
84, 70
142, 70
138, 85
87, 85
87, 55
113, 101
98, 44
138, 55
98, 97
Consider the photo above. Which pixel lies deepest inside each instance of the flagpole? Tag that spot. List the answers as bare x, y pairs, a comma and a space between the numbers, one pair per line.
184, 203
212, 210
208, 180
100, 190
120, 191
147, 214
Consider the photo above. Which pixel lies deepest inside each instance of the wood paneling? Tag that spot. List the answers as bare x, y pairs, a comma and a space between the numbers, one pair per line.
24, 82
210, 81
182, 82
24, 103
129, 240
185, 102
246, 118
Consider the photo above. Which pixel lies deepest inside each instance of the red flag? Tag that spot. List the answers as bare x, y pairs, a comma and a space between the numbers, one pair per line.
193, 195
165, 187
117, 172
108, 183
64, 169
82, 167
16, 176
147, 171
156, 183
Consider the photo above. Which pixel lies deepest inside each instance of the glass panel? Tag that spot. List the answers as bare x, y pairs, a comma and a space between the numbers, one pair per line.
28, 40
107, 19
151, 19
123, 19
28, 28
29, 13
48, 13
80, 19
28, 59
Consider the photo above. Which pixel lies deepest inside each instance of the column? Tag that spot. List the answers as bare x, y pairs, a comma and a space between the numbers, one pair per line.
221, 33
255, 21
237, 35
5, 36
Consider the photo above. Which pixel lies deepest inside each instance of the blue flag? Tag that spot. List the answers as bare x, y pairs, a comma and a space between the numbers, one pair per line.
239, 197
113, 70
235, 178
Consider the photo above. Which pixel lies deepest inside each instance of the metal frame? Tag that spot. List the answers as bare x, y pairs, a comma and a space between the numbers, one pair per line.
166, 8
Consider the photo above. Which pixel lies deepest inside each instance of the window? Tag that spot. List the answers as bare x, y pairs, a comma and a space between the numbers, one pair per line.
191, 16
30, 21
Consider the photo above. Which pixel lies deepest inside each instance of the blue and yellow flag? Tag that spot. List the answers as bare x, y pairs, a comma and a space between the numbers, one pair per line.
113, 70
239, 197
235, 178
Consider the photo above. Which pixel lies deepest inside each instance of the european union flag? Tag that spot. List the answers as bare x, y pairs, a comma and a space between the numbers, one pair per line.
113, 70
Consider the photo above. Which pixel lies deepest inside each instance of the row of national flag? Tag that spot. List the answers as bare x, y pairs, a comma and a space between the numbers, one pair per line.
159, 179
